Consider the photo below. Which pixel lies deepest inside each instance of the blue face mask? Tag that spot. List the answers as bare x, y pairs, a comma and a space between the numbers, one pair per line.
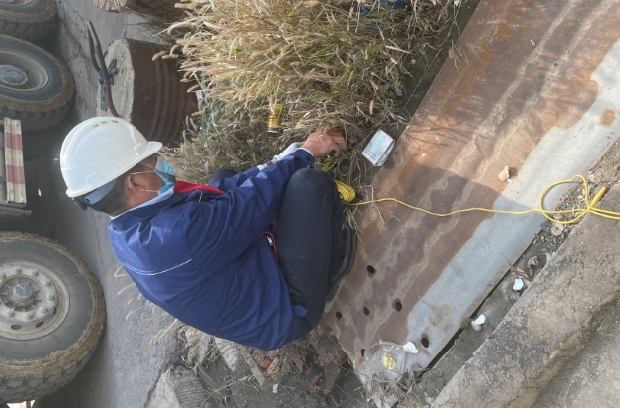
164, 172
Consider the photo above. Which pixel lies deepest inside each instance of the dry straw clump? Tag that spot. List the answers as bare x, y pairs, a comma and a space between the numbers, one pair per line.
331, 62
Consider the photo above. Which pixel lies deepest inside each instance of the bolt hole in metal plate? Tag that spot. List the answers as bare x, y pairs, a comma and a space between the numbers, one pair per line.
21, 72
425, 343
34, 301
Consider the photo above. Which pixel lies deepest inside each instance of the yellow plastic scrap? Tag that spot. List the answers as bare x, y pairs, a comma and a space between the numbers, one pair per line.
388, 361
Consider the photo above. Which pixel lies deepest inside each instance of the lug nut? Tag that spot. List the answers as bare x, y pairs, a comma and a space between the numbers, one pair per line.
29, 315
47, 283
11, 314
51, 297
18, 270
35, 273
45, 309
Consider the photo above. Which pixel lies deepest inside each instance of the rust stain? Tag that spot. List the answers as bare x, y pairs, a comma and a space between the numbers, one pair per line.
608, 117
476, 118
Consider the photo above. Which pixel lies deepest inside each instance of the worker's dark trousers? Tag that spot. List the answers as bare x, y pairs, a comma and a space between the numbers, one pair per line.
307, 232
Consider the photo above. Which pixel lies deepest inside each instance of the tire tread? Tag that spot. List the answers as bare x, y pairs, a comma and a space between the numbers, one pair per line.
28, 26
20, 382
43, 114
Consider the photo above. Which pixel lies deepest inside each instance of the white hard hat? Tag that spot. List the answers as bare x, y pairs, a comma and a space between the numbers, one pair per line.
99, 150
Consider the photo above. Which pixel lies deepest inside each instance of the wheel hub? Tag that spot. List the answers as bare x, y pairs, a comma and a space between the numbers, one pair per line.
22, 294
33, 301
20, 72
12, 76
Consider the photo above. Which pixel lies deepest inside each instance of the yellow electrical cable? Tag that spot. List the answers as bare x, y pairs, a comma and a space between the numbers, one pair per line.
346, 191
348, 194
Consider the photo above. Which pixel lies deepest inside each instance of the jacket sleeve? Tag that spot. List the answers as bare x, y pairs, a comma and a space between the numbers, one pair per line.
227, 225
238, 179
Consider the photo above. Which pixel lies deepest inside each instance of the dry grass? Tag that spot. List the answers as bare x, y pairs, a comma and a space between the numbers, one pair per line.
334, 62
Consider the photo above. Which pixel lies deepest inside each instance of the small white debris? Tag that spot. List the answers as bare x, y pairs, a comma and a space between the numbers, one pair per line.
409, 347
457, 3
518, 285
478, 322
557, 229
504, 175
274, 389
533, 43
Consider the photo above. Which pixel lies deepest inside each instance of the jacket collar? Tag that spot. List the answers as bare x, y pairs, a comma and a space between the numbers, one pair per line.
142, 213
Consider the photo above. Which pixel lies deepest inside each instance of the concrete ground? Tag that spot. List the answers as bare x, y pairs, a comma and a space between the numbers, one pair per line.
590, 379
554, 331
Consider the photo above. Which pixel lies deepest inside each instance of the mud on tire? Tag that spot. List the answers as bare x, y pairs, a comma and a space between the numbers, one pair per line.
51, 316
29, 20
35, 87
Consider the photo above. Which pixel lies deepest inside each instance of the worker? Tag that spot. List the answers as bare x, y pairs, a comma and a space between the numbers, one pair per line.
249, 258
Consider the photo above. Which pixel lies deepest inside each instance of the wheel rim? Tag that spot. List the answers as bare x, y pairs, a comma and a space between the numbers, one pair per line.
21, 72
17, 2
34, 301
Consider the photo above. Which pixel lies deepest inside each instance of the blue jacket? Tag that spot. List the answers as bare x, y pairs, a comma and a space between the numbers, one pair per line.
202, 256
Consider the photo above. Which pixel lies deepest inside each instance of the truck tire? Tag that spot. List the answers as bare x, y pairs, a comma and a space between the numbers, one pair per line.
29, 20
52, 315
34, 86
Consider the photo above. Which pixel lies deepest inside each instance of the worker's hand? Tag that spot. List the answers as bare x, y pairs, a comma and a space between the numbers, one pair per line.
325, 141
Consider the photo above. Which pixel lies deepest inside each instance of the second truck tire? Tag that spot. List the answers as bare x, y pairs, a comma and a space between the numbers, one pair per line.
29, 20
35, 87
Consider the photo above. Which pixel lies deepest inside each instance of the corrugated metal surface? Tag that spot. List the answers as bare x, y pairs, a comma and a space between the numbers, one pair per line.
148, 92
521, 94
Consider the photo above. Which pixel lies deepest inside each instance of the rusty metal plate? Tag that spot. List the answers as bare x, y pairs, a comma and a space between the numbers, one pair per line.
531, 85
